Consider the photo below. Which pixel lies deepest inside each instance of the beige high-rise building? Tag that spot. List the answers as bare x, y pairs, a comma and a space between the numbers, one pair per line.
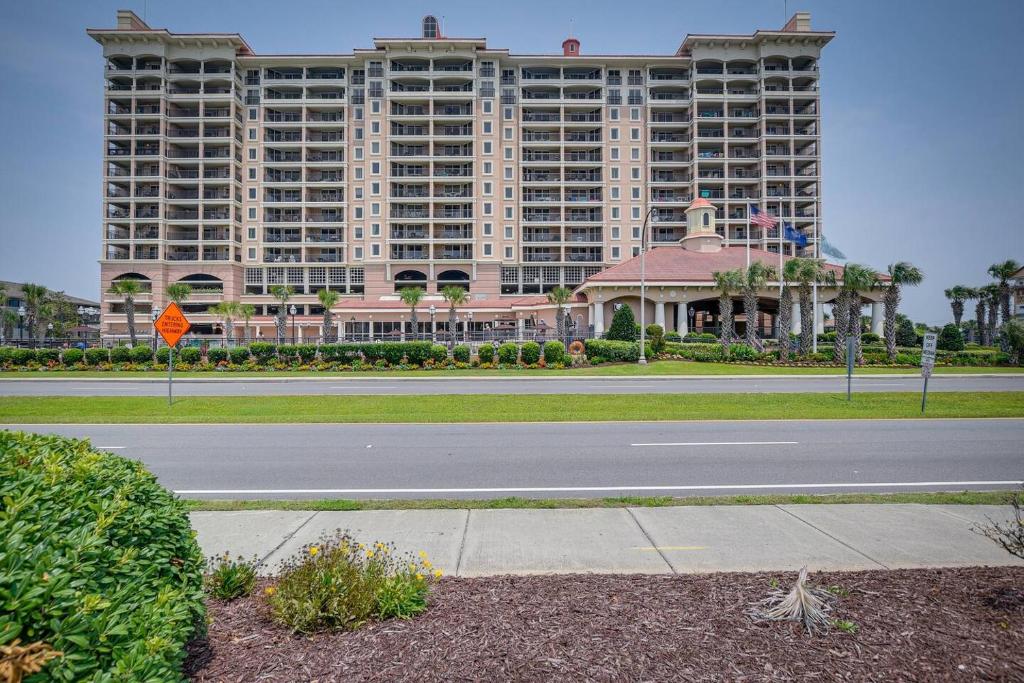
431, 161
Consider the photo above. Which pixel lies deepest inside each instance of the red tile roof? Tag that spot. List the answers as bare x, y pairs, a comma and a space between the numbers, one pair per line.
675, 264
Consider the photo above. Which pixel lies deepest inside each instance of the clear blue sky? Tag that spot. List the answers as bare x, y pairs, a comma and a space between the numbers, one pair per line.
923, 106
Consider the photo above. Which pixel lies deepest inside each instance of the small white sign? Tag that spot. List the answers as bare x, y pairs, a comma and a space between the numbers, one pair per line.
928, 353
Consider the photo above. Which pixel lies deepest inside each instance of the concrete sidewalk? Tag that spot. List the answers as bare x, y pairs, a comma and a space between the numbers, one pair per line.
633, 540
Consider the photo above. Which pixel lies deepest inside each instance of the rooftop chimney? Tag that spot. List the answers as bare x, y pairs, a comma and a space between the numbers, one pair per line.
571, 47
801, 21
128, 20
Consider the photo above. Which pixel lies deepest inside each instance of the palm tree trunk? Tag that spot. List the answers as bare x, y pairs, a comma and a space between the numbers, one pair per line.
1004, 300
129, 310
841, 317
326, 336
414, 321
855, 327
785, 317
979, 319
281, 322
993, 321
229, 330
725, 320
892, 304
451, 328
958, 312
806, 320
750, 311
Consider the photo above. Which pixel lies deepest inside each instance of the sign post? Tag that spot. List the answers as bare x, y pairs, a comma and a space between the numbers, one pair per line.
851, 345
927, 363
172, 326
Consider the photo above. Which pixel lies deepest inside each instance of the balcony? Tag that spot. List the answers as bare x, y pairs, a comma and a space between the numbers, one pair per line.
282, 255
278, 236
408, 233
408, 252
409, 211
542, 216
453, 233
575, 235
464, 170
452, 253
535, 235
453, 211
323, 236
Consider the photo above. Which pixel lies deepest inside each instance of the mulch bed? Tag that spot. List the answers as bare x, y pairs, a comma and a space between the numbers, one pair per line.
920, 625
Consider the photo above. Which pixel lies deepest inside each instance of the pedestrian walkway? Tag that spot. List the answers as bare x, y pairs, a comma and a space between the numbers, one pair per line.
633, 540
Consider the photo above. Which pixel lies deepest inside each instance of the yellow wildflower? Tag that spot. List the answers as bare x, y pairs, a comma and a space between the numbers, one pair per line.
369, 554
313, 550
270, 590
438, 573
426, 564
423, 554
419, 577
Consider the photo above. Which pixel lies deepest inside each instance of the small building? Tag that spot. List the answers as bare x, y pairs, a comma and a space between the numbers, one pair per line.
12, 309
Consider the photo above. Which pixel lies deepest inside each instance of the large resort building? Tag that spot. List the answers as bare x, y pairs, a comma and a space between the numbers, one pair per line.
435, 161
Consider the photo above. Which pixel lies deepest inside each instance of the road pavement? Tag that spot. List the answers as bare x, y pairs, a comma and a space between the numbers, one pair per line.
569, 459
665, 540
354, 386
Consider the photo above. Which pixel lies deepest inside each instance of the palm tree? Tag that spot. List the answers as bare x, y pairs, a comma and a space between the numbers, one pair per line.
1003, 272
327, 299
411, 296
246, 313
226, 311
993, 295
901, 273
127, 288
8, 319
785, 311
754, 276
856, 279
727, 282
978, 295
178, 292
455, 296
804, 272
35, 296
282, 293
957, 295
560, 296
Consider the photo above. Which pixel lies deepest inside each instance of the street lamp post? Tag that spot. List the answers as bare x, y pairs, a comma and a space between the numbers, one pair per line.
352, 328
469, 325
21, 321
293, 311
433, 329
156, 337
652, 216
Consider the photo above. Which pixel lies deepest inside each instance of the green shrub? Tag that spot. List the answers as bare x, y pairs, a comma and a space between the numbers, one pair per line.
623, 327
438, 353
5, 354
342, 584
287, 353
120, 354
673, 337
217, 354
22, 357
869, 338
46, 356
228, 578
163, 353
97, 355
697, 351
508, 353
239, 354
950, 338
261, 351
554, 352
908, 359
141, 354
486, 353
530, 353
742, 352
394, 352
190, 355
615, 351
305, 352
827, 337
461, 353
700, 337
97, 560
340, 352
656, 335
906, 335
72, 356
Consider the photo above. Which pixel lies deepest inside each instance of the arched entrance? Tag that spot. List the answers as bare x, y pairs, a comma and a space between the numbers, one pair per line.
457, 278
410, 278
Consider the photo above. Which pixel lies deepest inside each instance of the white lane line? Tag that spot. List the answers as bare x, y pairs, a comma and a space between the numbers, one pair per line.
720, 443
369, 386
558, 489
623, 386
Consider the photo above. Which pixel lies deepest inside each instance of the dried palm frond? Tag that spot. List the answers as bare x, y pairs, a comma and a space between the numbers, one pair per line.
804, 604
18, 660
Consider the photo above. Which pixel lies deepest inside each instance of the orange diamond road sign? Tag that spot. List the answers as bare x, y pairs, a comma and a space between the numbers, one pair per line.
172, 324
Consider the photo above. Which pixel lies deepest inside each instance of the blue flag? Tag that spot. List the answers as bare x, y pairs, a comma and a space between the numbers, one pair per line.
793, 235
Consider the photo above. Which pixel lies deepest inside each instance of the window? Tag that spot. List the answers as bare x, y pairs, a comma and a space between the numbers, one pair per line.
252, 174
706, 218
252, 154
358, 193
488, 127
358, 212
488, 208
615, 213
359, 173
636, 232
374, 148
507, 114
634, 173
615, 253
374, 229
508, 213
487, 107
509, 232
616, 232
252, 114
488, 187
357, 253
375, 188
252, 193
508, 154
252, 133
635, 212
488, 168
615, 193
359, 153
375, 126
375, 168
634, 153
614, 134
375, 211
634, 192
636, 251
508, 133
252, 213
488, 147
488, 229
488, 249
508, 173
634, 112
634, 133
613, 113
357, 113
508, 193
359, 133
252, 232
508, 253
357, 232
614, 173
375, 108
615, 154
252, 253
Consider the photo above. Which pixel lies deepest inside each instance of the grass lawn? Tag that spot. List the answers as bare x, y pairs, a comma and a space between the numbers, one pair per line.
938, 498
502, 407
657, 368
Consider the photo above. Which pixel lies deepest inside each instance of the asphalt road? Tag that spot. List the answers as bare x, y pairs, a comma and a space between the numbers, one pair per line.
513, 385
569, 459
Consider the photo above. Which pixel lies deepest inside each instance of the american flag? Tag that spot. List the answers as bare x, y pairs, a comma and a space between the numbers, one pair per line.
758, 217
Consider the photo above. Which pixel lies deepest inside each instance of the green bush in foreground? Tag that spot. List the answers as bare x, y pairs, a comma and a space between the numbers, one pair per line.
613, 351
217, 354
97, 560
95, 356
239, 354
486, 353
141, 354
508, 353
120, 354
530, 353
461, 353
72, 356
950, 339
554, 352
341, 584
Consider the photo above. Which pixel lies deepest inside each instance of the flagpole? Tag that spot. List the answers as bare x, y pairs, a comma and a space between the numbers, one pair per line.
748, 234
782, 227
814, 309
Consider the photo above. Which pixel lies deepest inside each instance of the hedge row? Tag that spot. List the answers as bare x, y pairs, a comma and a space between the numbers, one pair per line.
97, 561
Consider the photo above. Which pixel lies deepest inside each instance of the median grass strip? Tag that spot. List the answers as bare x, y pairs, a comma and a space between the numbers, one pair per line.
347, 504
501, 408
662, 368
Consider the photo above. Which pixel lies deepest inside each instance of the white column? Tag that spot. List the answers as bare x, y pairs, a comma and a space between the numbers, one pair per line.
794, 326
659, 314
682, 320
520, 329
320, 333
341, 333
876, 317
598, 318
819, 318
